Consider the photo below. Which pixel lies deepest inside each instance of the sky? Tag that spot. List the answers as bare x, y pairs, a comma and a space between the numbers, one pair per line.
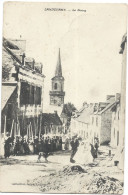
89, 43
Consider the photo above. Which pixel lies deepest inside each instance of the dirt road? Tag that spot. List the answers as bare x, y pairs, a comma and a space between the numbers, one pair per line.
25, 174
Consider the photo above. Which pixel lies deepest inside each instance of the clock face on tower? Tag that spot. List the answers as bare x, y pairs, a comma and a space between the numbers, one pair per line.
57, 93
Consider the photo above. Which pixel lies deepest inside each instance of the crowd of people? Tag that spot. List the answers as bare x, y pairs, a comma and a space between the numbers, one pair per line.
80, 149
22, 145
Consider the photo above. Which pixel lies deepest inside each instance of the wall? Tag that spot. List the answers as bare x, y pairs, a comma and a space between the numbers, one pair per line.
7, 66
13, 101
95, 126
123, 95
79, 128
26, 113
105, 132
115, 138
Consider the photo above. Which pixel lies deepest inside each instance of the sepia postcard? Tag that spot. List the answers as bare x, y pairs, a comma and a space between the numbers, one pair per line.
63, 97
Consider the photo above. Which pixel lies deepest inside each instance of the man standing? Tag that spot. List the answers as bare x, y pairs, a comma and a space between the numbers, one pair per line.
7, 146
74, 146
96, 146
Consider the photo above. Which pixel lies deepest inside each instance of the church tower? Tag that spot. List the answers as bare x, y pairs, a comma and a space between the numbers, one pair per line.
57, 93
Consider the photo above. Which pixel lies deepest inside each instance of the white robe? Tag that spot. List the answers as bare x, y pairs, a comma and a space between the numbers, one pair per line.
83, 155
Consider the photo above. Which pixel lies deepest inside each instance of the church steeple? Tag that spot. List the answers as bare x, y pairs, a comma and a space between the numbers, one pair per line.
57, 93
58, 71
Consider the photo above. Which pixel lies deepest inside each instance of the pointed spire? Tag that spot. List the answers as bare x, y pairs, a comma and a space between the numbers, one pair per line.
58, 71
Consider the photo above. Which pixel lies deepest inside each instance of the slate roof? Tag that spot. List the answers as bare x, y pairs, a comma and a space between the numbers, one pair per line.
107, 107
15, 52
12, 49
114, 107
51, 118
9, 44
85, 114
7, 91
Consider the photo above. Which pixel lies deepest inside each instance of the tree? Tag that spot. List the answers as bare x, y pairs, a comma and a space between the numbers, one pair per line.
68, 109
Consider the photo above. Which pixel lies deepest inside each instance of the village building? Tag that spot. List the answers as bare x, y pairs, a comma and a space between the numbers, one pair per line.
51, 124
80, 122
123, 51
115, 124
118, 110
120, 138
22, 90
101, 120
65, 121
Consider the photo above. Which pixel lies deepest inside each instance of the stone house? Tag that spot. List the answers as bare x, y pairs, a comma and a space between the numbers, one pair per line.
101, 121
22, 89
80, 123
115, 124
119, 156
123, 51
51, 124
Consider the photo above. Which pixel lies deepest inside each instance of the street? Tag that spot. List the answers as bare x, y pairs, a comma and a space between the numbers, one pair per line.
25, 174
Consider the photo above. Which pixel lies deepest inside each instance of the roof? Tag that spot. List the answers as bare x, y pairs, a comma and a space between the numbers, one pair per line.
51, 118
13, 50
16, 53
85, 114
101, 106
9, 44
58, 71
114, 107
63, 115
107, 107
7, 91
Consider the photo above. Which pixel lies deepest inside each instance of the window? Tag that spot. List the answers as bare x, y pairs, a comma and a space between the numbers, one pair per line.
96, 121
118, 115
92, 120
37, 96
117, 138
10, 110
55, 101
24, 93
114, 132
55, 86
30, 94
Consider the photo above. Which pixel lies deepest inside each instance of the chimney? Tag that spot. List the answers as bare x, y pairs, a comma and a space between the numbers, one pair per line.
23, 57
95, 107
85, 104
33, 63
118, 95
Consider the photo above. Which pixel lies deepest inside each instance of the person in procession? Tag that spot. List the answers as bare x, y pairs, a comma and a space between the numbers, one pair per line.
74, 147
